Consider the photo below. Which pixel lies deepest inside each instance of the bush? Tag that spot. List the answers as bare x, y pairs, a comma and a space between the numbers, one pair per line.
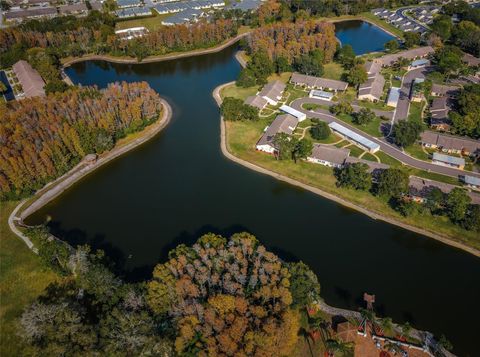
320, 131
234, 109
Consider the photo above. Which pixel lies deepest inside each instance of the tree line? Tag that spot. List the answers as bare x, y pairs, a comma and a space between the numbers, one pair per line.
218, 297
43, 137
95, 34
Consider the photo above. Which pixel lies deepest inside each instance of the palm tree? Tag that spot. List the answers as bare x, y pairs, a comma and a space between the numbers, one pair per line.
406, 328
386, 323
333, 346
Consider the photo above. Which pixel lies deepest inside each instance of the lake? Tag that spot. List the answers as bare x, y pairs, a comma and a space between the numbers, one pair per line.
179, 186
362, 36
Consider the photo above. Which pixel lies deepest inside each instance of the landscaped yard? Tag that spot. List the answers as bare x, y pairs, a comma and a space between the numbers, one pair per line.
333, 70
371, 128
417, 151
415, 112
152, 23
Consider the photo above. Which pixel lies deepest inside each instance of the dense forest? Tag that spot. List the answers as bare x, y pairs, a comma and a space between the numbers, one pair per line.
95, 34
292, 40
41, 138
219, 297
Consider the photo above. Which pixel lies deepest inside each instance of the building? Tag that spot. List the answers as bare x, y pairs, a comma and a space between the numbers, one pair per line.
446, 160
420, 63
439, 90
133, 12
256, 101
420, 188
79, 9
328, 155
131, 33
320, 94
284, 123
372, 68
393, 97
32, 13
471, 181
470, 60
450, 144
318, 82
297, 114
414, 53
358, 139
440, 108
185, 16
374, 168
372, 89
96, 5
272, 92
123, 4
31, 82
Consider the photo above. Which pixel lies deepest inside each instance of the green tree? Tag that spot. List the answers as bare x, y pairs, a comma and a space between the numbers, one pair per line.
3, 87
445, 343
303, 149
406, 132
472, 219
311, 63
357, 75
442, 26
261, 66
346, 56
364, 116
234, 109
246, 78
55, 86
435, 199
449, 59
282, 65
406, 208
392, 45
320, 131
342, 107
392, 182
411, 39
456, 204
355, 176
285, 145
304, 285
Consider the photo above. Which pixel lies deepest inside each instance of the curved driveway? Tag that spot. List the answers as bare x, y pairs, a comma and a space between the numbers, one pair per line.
384, 146
403, 104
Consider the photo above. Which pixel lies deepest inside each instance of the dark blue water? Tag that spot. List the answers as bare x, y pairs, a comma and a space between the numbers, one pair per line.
362, 36
179, 186
8, 94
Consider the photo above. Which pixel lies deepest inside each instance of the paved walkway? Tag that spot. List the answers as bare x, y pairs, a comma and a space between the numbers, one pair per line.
389, 149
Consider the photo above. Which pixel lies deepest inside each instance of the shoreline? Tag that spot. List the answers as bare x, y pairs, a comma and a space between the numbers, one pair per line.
159, 58
320, 192
363, 18
55, 188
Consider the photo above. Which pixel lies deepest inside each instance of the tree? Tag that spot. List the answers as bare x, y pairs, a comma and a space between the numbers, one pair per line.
386, 323
449, 59
320, 131
233, 109
364, 116
311, 63
346, 56
304, 285
456, 204
467, 120
303, 149
411, 39
3, 87
392, 182
406, 132
261, 66
355, 176
442, 26
5, 5
246, 78
445, 343
55, 86
406, 208
406, 328
342, 107
282, 65
285, 145
392, 45
471, 221
435, 199
357, 75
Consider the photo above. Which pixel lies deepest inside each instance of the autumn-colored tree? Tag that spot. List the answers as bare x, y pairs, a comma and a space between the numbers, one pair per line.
227, 297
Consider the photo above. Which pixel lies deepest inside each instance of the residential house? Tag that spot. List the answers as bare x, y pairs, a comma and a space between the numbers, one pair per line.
447, 160
328, 155
358, 139
450, 144
420, 188
284, 123
79, 9
30, 80
31, 13
374, 168
414, 53
272, 92
318, 83
439, 90
372, 89
296, 113
256, 101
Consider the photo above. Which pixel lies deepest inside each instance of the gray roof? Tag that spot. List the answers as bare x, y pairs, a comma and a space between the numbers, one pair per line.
319, 82
388, 60
441, 90
128, 3
272, 90
256, 101
33, 12
471, 60
373, 166
354, 136
448, 159
245, 5
32, 83
284, 123
330, 153
421, 187
373, 86
471, 180
372, 67
450, 142
74, 8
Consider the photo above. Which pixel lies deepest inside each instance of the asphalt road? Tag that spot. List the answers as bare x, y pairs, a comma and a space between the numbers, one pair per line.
403, 105
389, 149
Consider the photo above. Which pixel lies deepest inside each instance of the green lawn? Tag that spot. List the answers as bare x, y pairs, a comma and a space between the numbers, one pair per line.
355, 151
415, 112
238, 92
377, 21
22, 278
152, 23
371, 128
371, 105
369, 157
313, 106
241, 139
416, 151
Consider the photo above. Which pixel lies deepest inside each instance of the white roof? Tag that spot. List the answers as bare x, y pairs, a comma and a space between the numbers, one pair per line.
354, 136
297, 114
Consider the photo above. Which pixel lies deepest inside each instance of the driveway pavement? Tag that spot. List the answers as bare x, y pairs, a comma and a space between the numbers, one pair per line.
389, 149
403, 105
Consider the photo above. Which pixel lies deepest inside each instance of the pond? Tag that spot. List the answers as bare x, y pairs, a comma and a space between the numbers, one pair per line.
363, 36
179, 186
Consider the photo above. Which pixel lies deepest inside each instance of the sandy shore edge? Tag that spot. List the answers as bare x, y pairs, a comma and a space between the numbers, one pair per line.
343, 202
55, 188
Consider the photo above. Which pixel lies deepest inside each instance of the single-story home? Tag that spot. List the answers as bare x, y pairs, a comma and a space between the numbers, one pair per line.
450, 143
256, 101
419, 189
471, 181
374, 168
283, 123
447, 160
272, 92
30, 80
318, 82
358, 139
372, 68
79, 9
419, 52
470, 60
439, 90
372, 89
328, 155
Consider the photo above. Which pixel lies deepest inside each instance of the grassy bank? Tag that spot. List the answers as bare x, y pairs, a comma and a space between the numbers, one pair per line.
22, 279
242, 136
